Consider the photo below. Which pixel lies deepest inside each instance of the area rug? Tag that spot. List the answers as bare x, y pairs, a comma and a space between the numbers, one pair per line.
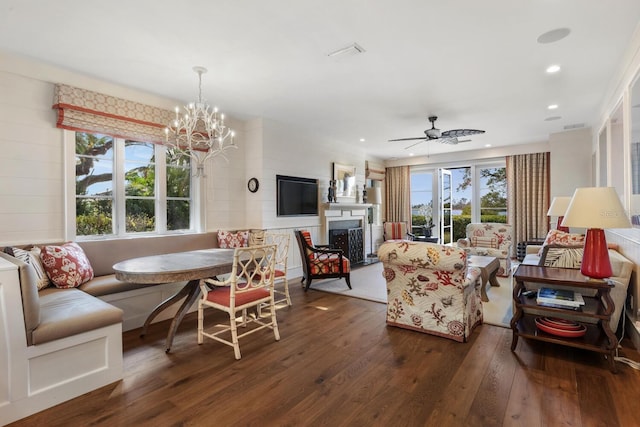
498, 310
367, 283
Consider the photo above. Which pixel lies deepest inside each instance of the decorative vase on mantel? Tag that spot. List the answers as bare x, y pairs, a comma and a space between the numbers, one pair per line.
332, 191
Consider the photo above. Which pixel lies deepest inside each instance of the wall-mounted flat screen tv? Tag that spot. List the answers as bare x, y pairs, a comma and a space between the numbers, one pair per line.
296, 196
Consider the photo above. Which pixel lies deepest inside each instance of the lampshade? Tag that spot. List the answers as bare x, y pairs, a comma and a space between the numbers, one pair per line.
596, 208
559, 206
374, 195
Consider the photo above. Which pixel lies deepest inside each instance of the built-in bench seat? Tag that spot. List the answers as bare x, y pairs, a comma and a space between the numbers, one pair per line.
71, 342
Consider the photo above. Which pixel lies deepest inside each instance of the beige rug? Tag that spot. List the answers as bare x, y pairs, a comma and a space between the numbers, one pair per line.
367, 283
498, 310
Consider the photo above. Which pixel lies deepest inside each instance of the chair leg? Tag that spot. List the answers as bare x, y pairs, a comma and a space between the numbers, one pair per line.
286, 291
347, 279
274, 322
234, 336
200, 322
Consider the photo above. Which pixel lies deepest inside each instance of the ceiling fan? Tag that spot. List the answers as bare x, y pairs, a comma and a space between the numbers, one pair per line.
446, 137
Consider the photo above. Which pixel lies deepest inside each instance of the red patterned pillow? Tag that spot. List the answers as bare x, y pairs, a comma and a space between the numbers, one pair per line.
67, 266
561, 238
231, 239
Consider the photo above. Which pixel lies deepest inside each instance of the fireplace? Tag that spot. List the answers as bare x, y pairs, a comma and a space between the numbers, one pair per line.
347, 223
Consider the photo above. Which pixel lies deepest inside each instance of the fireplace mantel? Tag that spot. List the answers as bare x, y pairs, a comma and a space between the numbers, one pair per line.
345, 206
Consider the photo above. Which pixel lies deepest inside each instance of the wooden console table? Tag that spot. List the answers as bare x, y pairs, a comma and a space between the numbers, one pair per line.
598, 337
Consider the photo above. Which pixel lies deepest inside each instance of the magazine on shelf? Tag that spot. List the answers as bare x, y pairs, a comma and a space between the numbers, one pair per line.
561, 297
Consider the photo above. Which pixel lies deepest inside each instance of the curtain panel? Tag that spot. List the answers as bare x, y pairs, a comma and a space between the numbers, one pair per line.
398, 195
528, 196
87, 111
374, 171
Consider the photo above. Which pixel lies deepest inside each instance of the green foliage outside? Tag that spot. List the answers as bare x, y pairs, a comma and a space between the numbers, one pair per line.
94, 212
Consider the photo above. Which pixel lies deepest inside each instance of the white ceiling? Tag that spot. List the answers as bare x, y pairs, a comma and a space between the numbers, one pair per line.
475, 64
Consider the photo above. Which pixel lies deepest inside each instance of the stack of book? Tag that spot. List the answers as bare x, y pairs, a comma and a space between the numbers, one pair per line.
559, 298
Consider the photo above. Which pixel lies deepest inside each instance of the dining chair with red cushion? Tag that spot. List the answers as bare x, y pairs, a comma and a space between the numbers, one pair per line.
250, 284
320, 261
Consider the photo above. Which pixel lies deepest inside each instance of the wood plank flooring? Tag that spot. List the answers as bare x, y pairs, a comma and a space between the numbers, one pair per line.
338, 364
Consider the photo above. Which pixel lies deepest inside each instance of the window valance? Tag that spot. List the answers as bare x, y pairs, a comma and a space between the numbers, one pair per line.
88, 111
374, 171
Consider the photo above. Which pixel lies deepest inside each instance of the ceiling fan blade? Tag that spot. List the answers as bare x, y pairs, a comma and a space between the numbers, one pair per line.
407, 139
450, 141
454, 133
414, 144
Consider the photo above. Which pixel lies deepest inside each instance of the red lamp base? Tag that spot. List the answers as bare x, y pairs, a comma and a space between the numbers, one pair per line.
595, 261
562, 227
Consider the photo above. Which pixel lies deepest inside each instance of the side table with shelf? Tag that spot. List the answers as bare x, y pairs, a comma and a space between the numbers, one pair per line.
598, 337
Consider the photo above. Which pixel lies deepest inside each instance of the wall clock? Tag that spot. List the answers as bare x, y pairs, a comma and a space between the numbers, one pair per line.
253, 185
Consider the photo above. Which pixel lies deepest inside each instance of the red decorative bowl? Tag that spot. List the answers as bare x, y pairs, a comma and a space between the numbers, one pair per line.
545, 327
558, 323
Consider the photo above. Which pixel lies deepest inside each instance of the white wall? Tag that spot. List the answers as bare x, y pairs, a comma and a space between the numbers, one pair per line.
570, 161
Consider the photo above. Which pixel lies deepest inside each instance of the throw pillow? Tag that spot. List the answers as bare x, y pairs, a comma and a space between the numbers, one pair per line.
232, 239
484, 242
561, 238
256, 237
67, 265
562, 256
32, 257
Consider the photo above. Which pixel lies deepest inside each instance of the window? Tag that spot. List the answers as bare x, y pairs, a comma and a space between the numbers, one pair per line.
479, 195
124, 186
421, 201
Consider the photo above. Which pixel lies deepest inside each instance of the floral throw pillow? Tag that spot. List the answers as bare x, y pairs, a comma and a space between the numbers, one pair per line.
67, 265
233, 239
561, 238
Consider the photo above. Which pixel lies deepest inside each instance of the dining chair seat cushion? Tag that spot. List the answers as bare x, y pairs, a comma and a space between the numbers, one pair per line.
279, 273
222, 296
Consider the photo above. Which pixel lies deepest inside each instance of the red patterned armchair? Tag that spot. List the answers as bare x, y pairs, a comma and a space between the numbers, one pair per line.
490, 239
430, 289
321, 262
396, 231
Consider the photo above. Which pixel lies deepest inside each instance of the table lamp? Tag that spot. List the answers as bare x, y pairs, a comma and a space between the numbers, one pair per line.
374, 196
596, 208
558, 207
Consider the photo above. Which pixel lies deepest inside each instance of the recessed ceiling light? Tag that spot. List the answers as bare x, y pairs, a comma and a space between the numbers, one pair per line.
487, 145
553, 69
553, 107
362, 139
554, 35
552, 118
410, 154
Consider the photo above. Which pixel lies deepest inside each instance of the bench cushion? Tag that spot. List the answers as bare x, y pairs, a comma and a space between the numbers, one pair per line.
67, 312
108, 284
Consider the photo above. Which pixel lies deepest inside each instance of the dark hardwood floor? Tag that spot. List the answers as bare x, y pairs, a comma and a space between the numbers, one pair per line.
338, 364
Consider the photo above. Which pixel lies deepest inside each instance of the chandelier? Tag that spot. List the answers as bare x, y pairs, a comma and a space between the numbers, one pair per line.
200, 133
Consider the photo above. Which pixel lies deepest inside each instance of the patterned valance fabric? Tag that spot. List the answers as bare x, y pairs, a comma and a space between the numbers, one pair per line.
374, 171
87, 111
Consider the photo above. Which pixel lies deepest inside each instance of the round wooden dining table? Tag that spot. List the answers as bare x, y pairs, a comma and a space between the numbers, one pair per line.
191, 266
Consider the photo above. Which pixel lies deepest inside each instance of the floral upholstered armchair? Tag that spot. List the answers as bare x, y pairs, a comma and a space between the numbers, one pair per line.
430, 289
490, 239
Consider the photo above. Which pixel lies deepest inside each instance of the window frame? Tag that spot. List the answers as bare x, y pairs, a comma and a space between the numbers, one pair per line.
119, 199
